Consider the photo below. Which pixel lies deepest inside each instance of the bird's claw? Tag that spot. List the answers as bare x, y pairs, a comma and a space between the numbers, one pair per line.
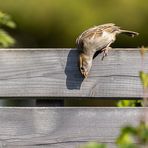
104, 54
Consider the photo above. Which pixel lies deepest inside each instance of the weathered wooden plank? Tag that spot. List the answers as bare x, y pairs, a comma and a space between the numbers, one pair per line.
54, 72
64, 127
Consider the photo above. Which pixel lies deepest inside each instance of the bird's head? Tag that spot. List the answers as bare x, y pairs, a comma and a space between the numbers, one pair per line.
85, 64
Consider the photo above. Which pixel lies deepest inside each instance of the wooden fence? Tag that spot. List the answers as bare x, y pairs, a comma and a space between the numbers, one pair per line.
32, 74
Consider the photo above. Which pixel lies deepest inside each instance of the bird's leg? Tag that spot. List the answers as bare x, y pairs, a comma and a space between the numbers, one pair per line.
105, 51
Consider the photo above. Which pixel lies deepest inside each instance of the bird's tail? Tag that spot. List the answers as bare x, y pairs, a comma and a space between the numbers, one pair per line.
129, 33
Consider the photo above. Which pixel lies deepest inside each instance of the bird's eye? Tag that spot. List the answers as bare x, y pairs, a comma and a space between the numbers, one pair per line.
82, 68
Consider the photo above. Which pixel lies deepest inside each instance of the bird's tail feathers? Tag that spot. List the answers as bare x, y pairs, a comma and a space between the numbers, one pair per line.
129, 33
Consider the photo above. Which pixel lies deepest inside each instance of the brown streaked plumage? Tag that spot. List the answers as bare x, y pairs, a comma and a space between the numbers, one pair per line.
98, 38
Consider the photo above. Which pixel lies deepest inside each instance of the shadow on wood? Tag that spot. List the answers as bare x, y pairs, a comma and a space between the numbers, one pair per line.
74, 78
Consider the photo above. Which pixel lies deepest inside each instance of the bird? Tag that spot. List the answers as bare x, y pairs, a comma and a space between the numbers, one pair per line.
98, 38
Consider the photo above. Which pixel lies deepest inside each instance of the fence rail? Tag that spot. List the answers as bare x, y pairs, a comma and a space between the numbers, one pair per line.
55, 72
64, 127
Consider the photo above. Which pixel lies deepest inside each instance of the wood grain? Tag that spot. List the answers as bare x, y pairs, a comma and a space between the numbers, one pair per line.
55, 72
64, 127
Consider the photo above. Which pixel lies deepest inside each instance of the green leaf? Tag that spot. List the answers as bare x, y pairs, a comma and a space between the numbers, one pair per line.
6, 20
94, 145
127, 146
128, 103
5, 39
126, 135
144, 78
125, 138
142, 130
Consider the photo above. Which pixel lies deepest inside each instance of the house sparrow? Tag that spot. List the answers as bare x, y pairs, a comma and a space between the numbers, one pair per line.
98, 38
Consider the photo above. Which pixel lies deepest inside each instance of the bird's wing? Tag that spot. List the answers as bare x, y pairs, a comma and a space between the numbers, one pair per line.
95, 32
106, 25
88, 34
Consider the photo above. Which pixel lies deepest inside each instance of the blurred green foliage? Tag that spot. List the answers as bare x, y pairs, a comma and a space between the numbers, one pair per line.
130, 134
5, 39
129, 103
49, 23
144, 79
94, 145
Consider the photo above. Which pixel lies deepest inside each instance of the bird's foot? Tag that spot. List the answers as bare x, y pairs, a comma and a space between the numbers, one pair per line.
104, 55
105, 52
